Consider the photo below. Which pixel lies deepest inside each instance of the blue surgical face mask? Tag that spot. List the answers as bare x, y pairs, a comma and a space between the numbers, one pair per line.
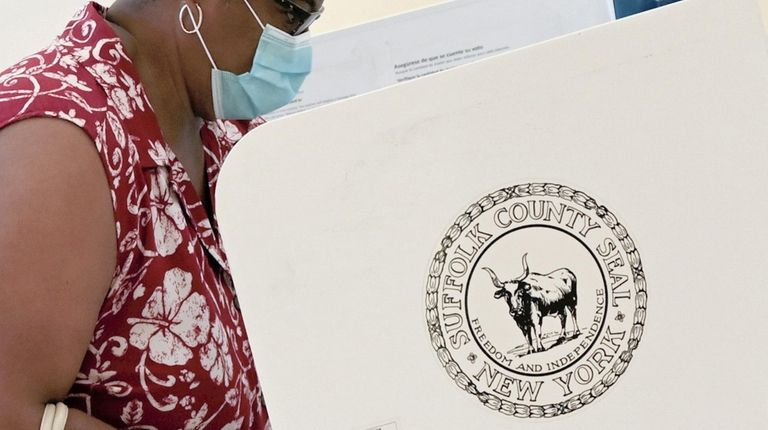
279, 68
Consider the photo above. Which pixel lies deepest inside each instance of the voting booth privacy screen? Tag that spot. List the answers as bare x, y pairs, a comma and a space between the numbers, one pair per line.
378, 54
569, 235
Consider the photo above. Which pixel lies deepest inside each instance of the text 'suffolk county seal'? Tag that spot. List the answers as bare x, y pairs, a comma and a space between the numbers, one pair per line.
536, 300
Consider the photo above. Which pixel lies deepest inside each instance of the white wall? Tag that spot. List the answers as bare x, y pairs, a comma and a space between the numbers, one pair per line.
344, 13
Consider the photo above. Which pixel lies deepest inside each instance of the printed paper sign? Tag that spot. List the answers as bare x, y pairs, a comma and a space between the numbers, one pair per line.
376, 55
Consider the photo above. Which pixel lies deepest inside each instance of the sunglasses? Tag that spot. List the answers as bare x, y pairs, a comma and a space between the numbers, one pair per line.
300, 15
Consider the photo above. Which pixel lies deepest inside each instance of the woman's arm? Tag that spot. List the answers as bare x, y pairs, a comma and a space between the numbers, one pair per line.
57, 256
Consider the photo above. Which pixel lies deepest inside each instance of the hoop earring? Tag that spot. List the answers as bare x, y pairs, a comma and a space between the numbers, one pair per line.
196, 23
196, 26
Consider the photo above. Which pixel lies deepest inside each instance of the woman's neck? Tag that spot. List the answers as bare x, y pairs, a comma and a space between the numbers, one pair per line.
148, 39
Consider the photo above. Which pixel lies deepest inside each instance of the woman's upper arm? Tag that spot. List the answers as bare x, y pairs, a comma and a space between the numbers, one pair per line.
57, 257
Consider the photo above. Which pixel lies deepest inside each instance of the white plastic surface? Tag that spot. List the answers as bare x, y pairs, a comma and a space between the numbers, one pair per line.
330, 219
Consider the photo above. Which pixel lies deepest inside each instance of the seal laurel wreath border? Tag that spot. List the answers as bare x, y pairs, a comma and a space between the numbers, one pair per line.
461, 379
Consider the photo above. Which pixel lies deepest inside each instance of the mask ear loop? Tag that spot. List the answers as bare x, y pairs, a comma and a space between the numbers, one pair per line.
197, 24
253, 12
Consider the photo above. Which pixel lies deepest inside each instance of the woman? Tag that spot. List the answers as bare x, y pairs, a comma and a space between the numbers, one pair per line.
117, 299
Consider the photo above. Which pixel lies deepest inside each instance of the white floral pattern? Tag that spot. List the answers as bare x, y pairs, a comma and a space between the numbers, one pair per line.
132, 412
234, 425
167, 216
215, 357
173, 321
169, 349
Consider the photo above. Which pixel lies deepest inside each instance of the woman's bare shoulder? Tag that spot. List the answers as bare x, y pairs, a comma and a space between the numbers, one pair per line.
57, 255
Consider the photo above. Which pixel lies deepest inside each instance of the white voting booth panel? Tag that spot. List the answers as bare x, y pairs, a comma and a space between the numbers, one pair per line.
331, 219
381, 53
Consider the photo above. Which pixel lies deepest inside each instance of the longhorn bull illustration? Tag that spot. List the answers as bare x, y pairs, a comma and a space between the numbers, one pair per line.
533, 296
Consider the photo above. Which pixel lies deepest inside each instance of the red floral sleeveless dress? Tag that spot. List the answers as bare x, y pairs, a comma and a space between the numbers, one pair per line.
169, 349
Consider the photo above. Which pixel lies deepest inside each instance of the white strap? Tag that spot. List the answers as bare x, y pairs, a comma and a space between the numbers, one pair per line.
253, 12
60, 418
54, 416
48, 414
196, 25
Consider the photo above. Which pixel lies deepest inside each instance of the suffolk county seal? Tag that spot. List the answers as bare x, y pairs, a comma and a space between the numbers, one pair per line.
536, 300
